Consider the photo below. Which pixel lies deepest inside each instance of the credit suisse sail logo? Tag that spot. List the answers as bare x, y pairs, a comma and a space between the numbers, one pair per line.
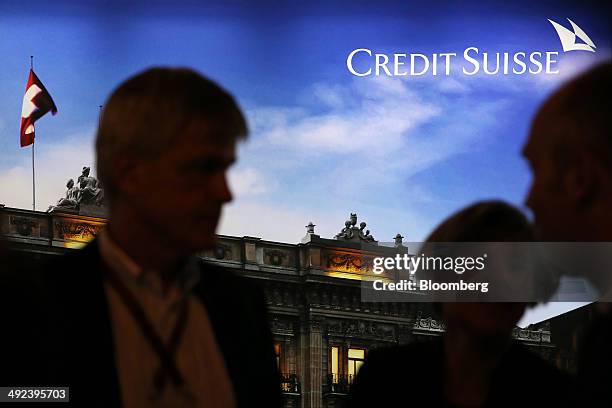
568, 37
364, 62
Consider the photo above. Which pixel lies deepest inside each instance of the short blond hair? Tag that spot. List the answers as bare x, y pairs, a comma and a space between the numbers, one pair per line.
149, 111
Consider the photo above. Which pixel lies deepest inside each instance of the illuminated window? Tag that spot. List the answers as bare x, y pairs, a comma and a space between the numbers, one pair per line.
355, 361
277, 353
334, 361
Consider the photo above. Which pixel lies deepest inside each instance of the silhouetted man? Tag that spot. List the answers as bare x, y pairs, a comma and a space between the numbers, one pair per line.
135, 319
570, 154
475, 363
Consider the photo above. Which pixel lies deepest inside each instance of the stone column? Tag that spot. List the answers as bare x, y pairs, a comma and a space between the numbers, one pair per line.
249, 252
311, 355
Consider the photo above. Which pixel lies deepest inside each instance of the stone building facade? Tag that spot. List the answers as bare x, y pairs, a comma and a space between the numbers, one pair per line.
322, 331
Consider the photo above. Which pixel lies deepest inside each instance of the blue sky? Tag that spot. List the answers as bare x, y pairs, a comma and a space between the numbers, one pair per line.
402, 153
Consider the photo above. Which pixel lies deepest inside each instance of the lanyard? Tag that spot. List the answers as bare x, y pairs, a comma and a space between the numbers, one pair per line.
166, 353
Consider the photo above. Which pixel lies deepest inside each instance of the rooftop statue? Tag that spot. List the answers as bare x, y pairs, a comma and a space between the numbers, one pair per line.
87, 192
90, 192
69, 202
351, 233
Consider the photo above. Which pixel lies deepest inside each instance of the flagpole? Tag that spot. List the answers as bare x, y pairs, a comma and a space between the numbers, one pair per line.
33, 140
33, 181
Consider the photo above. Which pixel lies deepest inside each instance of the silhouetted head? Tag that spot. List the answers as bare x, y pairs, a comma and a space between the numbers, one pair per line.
166, 139
570, 154
491, 221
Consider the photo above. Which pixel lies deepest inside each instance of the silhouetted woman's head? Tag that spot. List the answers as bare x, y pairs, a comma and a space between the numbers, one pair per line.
485, 222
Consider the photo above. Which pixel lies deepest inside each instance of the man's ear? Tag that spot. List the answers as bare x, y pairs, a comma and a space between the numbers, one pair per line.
583, 180
128, 175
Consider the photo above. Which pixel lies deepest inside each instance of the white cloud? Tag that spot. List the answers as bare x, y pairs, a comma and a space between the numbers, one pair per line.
376, 113
267, 117
249, 181
55, 164
354, 148
330, 96
362, 149
452, 85
569, 65
572, 64
286, 223
380, 129
275, 222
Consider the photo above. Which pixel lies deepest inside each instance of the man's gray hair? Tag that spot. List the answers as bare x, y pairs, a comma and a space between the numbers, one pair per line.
149, 111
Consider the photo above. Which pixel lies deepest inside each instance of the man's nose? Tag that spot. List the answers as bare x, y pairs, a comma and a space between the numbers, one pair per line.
224, 192
529, 199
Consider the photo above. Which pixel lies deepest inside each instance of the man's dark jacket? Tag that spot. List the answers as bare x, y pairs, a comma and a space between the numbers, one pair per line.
412, 376
57, 331
595, 362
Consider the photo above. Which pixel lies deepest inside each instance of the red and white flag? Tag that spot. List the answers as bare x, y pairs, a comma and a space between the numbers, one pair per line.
37, 101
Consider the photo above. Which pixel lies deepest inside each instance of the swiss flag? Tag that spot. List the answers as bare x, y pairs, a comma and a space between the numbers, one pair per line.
36, 102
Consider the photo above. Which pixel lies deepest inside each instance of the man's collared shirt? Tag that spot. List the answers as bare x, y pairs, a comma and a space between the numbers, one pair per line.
197, 357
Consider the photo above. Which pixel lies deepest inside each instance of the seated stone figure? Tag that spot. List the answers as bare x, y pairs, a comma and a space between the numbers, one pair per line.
90, 193
70, 201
